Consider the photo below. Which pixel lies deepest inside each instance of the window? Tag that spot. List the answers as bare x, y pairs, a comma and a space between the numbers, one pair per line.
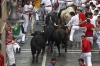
0, 9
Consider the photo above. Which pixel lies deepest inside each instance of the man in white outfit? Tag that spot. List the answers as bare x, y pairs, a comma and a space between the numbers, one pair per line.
47, 6
73, 23
61, 4
26, 15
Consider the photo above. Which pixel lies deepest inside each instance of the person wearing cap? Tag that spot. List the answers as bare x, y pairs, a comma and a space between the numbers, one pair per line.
53, 62
81, 62
86, 51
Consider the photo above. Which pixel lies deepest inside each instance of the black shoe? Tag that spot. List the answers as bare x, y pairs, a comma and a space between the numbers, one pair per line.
19, 50
16, 50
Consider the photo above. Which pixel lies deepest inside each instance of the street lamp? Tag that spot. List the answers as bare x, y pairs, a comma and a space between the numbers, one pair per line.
13, 18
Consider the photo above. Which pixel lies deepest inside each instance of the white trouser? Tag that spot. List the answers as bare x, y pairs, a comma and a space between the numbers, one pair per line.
98, 41
26, 22
15, 46
87, 58
37, 14
10, 53
73, 31
47, 10
32, 22
90, 39
20, 37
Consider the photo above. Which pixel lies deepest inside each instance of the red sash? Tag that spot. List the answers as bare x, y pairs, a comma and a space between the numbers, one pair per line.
56, 6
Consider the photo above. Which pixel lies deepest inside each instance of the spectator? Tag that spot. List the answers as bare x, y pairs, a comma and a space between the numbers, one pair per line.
17, 32
53, 62
9, 46
81, 62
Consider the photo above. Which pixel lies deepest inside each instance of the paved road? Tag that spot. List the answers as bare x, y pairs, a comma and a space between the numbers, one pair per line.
67, 59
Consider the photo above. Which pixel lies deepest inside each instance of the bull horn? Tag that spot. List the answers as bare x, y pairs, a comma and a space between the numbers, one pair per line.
43, 25
55, 25
65, 25
42, 31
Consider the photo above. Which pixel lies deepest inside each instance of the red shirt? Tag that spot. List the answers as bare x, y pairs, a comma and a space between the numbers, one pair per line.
98, 2
86, 46
83, 65
1, 60
98, 22
83, 24
89, 32
82, 17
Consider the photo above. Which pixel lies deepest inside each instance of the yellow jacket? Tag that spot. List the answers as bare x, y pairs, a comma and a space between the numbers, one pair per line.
37, 3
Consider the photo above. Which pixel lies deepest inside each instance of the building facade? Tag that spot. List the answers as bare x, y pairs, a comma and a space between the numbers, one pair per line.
3, 16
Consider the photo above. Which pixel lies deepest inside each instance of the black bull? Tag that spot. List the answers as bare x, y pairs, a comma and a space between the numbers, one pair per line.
37, 44
51, 17
60, 37
56, 34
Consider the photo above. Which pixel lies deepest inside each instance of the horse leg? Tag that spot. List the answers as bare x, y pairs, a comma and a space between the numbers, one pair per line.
38, 52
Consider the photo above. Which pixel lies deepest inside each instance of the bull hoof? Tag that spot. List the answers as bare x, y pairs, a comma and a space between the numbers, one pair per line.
65, 50
63, 46
32, 61
42, 53
71, 45
36, 61
51, 51
59, 56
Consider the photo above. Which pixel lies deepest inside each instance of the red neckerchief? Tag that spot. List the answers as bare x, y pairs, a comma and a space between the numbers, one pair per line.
91, 17
52, 63
88, 11
98, 22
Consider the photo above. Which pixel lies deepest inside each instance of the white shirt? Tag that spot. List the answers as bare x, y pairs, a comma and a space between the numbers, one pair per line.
83, 1
93, 20
74, 21
46, 2
26, 8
